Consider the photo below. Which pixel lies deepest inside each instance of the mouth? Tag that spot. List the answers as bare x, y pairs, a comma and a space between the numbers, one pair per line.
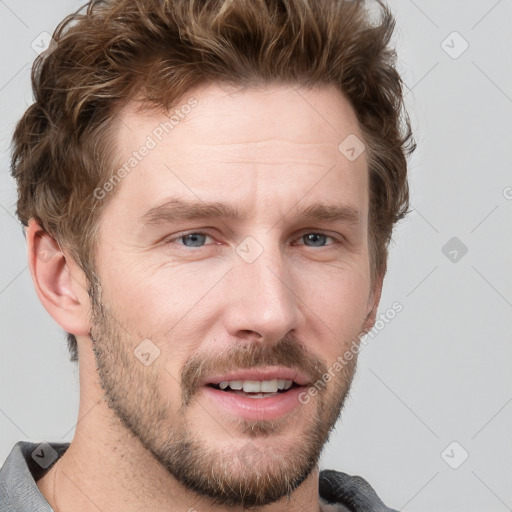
256, 388
256, 394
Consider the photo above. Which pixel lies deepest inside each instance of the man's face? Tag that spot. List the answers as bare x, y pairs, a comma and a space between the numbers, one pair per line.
234, 254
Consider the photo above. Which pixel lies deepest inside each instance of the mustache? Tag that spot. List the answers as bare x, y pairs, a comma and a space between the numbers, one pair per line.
287, 352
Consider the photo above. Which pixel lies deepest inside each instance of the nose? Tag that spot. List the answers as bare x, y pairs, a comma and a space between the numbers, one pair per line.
261, 302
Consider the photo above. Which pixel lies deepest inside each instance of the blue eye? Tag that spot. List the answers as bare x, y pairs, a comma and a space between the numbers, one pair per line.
193, 239
316, 239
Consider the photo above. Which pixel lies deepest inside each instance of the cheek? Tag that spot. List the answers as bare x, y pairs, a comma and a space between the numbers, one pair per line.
338, 298
341, 280
160, 300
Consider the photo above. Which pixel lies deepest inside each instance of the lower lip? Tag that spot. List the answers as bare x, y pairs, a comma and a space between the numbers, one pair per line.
259, 409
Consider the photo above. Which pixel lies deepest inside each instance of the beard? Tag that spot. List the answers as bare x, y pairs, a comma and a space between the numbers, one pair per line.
251, 471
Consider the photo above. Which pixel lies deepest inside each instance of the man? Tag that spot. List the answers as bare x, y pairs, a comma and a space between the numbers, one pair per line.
208, 190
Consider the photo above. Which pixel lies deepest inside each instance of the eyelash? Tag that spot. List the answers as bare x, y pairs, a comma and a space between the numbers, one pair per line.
183, 235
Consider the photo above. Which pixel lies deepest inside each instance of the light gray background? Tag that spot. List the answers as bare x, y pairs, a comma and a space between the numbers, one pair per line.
440, 371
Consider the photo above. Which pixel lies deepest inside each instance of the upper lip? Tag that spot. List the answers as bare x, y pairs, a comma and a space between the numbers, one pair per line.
276, 372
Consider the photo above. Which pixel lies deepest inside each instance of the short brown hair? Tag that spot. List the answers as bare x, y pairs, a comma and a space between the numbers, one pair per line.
156, 50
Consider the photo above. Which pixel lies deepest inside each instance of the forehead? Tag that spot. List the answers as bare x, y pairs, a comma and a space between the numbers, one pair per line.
245, 145
221, 111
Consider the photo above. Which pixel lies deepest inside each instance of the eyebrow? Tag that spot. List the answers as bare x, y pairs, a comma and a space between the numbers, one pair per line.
175, 210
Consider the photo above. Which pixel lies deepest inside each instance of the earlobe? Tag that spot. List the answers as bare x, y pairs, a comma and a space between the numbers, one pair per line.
61, 293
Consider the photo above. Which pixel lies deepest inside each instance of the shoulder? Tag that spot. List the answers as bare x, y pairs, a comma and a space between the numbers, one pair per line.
25, 464
354, 492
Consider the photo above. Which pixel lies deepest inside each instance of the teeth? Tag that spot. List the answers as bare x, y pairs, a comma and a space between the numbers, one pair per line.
256, 386
284, 384
269, 386
235, 384
252, 386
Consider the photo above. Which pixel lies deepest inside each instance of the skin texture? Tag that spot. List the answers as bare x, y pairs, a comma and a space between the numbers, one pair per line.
148, 437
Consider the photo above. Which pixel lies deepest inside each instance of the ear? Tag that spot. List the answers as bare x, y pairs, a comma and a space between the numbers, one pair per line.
374, 301
59, 282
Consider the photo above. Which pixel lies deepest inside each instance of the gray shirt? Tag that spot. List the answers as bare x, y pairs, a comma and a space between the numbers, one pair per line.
28, 462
